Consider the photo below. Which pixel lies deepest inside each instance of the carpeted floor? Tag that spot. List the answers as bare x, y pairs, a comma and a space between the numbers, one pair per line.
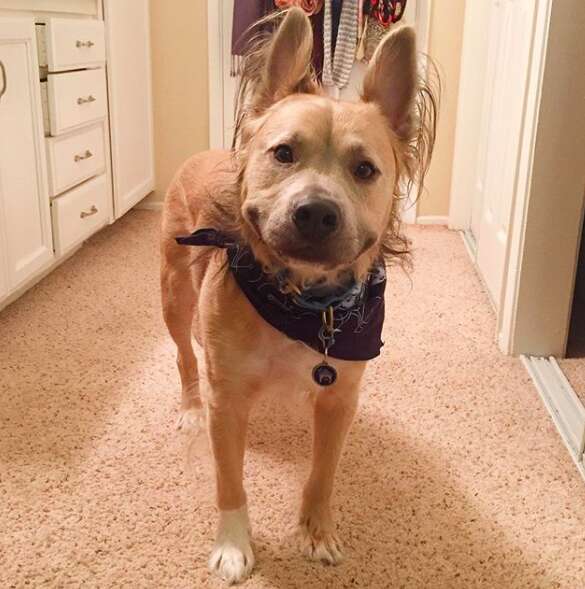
453, 476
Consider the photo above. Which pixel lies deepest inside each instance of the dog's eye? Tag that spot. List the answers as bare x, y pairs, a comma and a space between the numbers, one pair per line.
365, 171
284, 154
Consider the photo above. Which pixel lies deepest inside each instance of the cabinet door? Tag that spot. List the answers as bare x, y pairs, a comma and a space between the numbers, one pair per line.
130, 100
25, 222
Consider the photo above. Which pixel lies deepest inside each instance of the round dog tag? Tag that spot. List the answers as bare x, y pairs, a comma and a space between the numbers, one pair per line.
324, 374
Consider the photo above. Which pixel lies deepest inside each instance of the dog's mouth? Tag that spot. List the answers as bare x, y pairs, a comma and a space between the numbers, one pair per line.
284, 244
336, 256
326, 257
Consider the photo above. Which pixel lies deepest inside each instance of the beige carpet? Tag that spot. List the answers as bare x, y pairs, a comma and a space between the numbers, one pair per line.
453, 475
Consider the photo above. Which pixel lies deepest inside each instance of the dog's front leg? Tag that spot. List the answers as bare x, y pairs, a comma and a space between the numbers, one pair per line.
232, 557
333, 414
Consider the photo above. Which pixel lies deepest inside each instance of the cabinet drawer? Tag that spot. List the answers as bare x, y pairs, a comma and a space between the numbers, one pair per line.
75, 99
80, 212
75, 157
74, 43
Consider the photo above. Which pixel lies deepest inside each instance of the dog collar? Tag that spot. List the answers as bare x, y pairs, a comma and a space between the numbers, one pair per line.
345, 324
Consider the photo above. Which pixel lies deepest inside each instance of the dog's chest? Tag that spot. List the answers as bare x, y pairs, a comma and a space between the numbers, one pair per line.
285, 365
243, 347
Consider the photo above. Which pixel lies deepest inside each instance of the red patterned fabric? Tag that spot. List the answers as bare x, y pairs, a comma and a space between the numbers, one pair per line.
309, 6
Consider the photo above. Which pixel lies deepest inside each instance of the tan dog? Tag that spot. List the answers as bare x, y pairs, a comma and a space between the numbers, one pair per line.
311, 188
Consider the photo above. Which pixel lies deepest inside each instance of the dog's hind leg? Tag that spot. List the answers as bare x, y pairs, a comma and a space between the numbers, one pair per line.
179, 300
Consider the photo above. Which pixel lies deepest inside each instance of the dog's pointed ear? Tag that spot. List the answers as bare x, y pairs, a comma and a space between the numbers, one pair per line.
391, 80
288, 62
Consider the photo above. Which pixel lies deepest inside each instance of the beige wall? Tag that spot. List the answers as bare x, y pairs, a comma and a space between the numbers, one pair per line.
180, 84
446, 37
180, 87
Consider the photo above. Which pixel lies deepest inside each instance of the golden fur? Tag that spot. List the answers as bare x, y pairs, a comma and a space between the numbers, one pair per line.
250, 194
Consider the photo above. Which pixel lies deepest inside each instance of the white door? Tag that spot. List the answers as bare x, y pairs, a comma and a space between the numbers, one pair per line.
511, 32
473, 84
25, 226
127, 26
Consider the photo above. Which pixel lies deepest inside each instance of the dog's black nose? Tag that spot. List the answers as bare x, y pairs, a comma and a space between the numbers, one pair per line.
316, 219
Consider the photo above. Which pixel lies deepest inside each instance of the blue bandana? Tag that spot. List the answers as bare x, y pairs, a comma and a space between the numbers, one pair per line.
358, 309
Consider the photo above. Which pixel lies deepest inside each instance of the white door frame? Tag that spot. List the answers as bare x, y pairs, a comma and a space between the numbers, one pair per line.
217, 64
215, 37
548, 217
535, 306
469, 111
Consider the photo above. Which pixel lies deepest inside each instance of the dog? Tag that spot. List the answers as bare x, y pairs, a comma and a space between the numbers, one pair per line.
305, 209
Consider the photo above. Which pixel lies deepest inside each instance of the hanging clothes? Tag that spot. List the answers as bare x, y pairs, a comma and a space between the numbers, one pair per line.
380, 16
386, 12
336, 6
362, 27
340, 32
246, 13
317, 24
311, 7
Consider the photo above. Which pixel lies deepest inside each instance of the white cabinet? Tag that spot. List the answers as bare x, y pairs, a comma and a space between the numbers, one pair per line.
130, 100
76, 142
25, 221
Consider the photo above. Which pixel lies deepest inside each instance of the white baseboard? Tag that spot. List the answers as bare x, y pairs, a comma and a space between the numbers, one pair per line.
471, 249
432, 220
565, 408
408, 211
470, 245
156, 205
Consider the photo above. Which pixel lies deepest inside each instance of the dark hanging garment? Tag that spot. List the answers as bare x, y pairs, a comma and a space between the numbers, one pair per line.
246, 13
314, 10
317, 22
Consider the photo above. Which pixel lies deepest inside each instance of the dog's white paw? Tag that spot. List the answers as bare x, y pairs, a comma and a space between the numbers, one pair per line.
232, 563
319, 544
232, 557
191, 421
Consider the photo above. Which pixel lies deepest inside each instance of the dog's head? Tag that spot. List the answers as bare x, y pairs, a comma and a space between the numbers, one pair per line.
319, 177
